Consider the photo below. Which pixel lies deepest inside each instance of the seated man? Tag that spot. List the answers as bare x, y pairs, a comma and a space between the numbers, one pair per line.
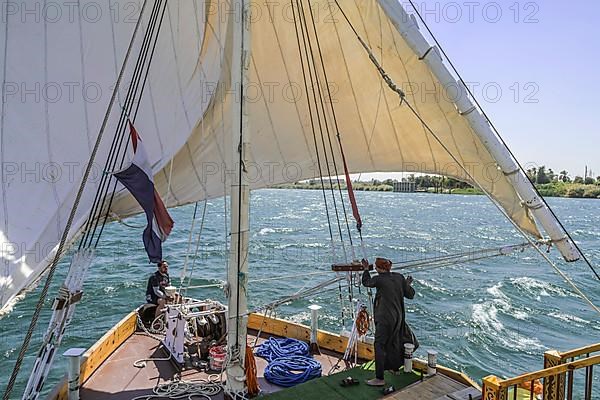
155, 290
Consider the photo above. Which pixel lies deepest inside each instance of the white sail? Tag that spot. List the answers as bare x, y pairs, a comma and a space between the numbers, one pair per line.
185, 112
58, 67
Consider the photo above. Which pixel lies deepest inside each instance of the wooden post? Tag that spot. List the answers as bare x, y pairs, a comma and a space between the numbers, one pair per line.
492, 390
554, 386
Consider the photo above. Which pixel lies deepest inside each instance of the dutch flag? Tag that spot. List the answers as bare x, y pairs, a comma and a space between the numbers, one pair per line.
138, 179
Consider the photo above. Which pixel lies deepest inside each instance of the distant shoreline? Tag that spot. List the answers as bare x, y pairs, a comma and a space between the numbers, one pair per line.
555, 189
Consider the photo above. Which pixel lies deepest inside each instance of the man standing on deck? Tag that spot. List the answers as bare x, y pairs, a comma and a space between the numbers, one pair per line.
155, 290
391, 329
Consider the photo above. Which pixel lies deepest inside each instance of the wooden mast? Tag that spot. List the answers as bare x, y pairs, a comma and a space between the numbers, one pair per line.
237, 275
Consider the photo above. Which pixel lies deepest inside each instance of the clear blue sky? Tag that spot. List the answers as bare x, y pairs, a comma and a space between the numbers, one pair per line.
551, 50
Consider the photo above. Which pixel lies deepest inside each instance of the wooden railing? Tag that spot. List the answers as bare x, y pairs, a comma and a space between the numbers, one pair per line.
557, 377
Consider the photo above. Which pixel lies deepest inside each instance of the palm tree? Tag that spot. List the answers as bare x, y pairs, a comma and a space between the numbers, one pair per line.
564, 176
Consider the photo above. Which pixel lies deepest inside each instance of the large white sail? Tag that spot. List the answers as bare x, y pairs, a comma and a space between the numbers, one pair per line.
185, 113
59, 63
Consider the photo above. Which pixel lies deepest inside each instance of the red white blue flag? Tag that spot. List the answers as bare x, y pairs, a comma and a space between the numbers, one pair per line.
138, 179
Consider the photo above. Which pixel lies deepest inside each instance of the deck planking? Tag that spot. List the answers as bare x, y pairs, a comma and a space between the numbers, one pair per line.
437, 387
118, 379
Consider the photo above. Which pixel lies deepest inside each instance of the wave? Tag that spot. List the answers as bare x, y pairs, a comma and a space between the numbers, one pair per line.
432, 286
569, 318
487, 317
537, 288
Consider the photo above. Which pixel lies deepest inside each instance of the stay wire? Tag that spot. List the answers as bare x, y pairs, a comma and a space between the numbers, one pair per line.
316, 88
64, 238
189, 245
308, 47
124, 135
312, 123
585, 258
112, 155
335, 123
197, 247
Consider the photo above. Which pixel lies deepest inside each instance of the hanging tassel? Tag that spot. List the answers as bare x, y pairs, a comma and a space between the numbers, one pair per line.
251, 374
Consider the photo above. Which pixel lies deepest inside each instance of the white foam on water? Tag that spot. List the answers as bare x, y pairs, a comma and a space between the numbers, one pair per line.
430, 285
537, 288
109, 289
265, 231
486, 316
568, 318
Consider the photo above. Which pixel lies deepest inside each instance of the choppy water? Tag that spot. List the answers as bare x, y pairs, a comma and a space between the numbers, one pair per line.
494, 316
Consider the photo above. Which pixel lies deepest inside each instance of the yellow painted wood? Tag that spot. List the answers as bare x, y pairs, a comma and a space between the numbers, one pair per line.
99, 352
559, 369
106, 345
336, 343
554, 386
580, 352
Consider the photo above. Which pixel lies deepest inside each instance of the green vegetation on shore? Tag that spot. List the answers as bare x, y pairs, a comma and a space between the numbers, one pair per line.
548, 183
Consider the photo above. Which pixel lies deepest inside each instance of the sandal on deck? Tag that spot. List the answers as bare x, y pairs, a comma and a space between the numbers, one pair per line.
388, 390
349, 381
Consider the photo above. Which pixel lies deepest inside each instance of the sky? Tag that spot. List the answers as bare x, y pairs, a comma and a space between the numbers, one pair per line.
535, 68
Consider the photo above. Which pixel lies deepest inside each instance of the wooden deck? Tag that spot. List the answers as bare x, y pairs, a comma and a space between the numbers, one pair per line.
438, 387
118, 379
108, 371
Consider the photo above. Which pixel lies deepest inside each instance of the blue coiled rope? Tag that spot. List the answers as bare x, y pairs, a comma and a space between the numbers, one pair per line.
289, 362
274, 349
293, 370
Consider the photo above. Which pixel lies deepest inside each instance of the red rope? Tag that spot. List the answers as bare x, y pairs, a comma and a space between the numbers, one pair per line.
355, 211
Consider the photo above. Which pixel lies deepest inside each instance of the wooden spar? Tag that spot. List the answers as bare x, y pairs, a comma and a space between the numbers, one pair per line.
351, 267
409, 29
237, 275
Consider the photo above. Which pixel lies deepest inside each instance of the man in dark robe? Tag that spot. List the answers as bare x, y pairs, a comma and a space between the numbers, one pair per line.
391, 329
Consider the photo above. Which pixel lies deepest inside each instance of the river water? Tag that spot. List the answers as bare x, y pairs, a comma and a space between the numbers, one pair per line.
493, 316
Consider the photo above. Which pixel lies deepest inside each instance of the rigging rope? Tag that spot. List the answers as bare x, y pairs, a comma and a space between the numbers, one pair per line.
470, 92
337, 130
312, 123
110, 163
182, 389
123, 133
64, 238
316, 84
197, 246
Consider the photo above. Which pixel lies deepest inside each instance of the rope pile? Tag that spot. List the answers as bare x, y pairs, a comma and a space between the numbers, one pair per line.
273, 349
185, 390
292, 370
289, 362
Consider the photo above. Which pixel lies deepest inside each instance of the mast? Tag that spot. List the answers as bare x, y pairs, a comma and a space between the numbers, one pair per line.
431, 55
240, 208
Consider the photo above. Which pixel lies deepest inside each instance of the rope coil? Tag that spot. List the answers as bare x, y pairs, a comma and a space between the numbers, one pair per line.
274, 349
292, 370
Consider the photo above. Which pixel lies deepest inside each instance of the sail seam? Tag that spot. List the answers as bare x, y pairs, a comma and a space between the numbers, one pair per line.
47, 129
2, 136
83, 80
